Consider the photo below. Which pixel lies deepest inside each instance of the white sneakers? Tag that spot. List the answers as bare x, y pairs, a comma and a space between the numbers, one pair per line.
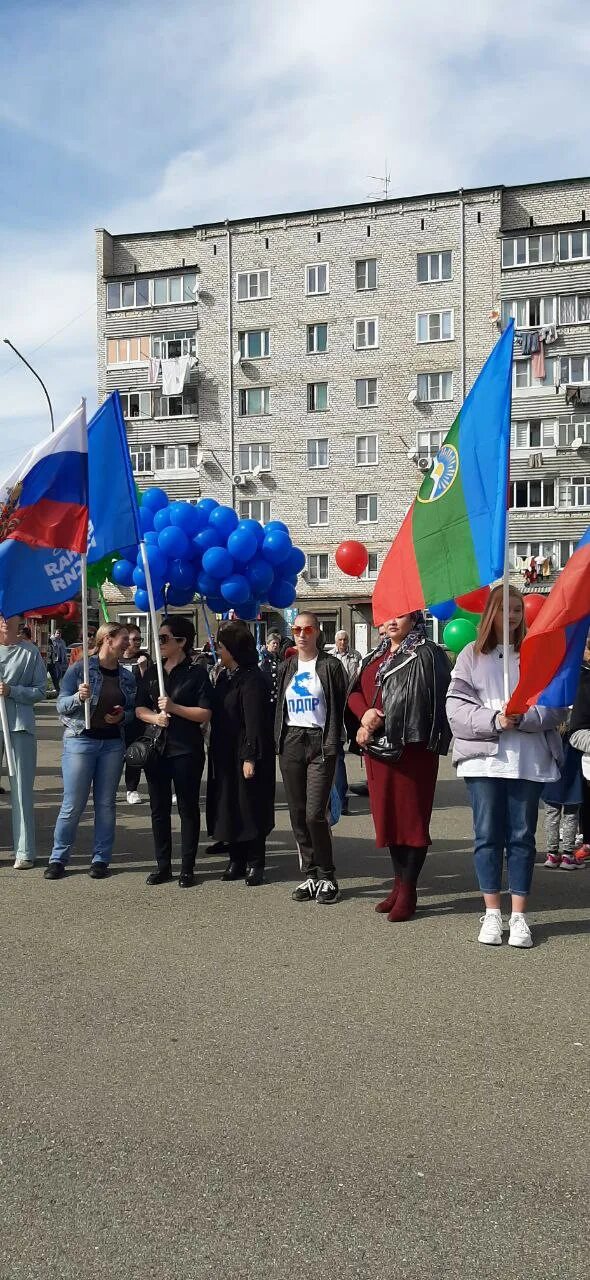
491, 930
23, 864
133, 797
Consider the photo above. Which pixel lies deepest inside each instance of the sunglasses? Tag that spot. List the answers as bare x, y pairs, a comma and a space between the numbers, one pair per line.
303, 631
164, 637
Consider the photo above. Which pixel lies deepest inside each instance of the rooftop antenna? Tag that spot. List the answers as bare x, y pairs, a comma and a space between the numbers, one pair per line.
385, 180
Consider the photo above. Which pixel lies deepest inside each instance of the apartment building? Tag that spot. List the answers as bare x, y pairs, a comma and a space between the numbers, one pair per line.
329, 351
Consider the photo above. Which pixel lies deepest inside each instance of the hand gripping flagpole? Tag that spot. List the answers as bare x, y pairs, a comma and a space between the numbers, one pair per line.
153, 616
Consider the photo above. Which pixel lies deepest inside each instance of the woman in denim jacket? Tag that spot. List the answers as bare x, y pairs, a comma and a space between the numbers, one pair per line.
93, 757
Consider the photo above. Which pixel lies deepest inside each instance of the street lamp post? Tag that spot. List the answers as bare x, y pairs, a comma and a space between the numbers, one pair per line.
35, 374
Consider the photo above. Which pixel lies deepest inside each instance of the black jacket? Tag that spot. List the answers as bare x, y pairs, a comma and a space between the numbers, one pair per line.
331, 676
189, 687
238, 808
414, 693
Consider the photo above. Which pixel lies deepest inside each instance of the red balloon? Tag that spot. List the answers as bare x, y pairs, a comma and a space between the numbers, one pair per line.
290, 652
532, 606
352, 558
474, 601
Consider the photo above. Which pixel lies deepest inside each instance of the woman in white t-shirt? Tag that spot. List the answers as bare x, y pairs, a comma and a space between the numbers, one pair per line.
505, 761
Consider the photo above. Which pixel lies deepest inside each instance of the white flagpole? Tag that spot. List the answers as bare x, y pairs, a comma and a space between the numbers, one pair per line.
85, 662
153, 616
505, 619
7, 739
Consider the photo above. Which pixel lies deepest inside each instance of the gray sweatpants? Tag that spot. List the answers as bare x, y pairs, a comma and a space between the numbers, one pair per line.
566, 817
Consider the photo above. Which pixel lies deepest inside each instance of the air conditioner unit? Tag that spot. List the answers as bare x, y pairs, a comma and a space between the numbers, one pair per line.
425, 465
239, 479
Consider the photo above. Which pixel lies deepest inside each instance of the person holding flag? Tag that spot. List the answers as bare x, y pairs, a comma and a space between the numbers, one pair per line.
506, 759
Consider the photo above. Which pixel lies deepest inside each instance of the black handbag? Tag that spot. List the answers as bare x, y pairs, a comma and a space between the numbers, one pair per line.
147, 748
381, 748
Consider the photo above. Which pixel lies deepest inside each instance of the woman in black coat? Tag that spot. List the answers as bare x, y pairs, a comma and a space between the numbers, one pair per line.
241, 780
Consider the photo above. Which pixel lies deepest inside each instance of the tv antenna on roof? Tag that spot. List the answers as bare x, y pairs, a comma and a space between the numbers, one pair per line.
385, 180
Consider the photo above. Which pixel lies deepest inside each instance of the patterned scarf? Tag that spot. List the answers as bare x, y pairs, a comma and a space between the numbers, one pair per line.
408, 645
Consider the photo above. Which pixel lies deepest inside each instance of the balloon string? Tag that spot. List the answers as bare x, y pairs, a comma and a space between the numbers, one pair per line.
103, 605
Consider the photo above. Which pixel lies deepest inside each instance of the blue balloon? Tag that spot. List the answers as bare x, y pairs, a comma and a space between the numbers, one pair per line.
154, 499
218, 562
208, 538
138, 576
294, 562
248, 611
223, 520
142, 601
260, 575
216, 604
205, 506
443, 611
281, 594
146, 519
253, 526
162, 519
174, 543
182, 575
242, 544
206, 585
129, 553
236, 590
276, 524
185, 517
122, 573
151, 537
177, 597
276, 546
157, 561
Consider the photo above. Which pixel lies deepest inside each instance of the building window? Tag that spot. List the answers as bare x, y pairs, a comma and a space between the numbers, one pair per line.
434, 326
372, 569
136, 404
434, 266
318, 453
254, 344
532, 493
573, 429
367, 451
183, 406
254, 455
367, 393
141, 460
125, 295
528, 251
573, 245
428, 443
317, 278
317, 397
574, 309
252, 284
574, 369
365, 273
317, 338
519, 553
254, 402
522, 377
255, 509
169, 346
175, 457
574, 491
317, 511
538, 433
366, 333
435, 386
529, 313
318, 566
367, 508
128, 350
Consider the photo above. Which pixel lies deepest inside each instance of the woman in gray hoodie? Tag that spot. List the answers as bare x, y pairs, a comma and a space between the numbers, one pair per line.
23, 682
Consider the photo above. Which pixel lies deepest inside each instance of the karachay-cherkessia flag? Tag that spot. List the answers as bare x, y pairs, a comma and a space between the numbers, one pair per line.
452, 540
552, 651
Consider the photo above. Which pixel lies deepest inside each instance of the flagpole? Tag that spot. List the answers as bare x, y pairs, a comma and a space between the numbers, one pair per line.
7, 738
85, 658
505, 618
153, 616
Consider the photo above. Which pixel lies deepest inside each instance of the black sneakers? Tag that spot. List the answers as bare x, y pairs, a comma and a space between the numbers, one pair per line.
99, 871
306, 891
160, 877
54, 871
323, 891
327, 891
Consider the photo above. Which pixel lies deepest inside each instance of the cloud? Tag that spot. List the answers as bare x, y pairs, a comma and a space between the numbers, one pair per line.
164, 116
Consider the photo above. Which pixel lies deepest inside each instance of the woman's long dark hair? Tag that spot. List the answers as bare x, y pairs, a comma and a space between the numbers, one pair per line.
240, 642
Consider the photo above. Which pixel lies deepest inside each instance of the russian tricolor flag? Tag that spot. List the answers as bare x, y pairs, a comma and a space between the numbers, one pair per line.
44, 503
551, 652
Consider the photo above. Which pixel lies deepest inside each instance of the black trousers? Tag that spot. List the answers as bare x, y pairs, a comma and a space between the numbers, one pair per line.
185, 772
308, 776
132, 773
249, 853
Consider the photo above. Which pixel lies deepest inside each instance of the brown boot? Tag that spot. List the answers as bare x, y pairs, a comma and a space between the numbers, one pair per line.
405, 904
388, 902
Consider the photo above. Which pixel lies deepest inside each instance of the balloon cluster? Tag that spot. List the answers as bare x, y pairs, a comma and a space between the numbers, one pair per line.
463, 616
207, 550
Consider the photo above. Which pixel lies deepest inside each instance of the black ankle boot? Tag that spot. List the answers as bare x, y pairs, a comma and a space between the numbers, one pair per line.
234, 871
254, 876
161, 876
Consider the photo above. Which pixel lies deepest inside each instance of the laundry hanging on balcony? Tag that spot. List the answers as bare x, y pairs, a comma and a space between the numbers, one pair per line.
153, 370
174, 375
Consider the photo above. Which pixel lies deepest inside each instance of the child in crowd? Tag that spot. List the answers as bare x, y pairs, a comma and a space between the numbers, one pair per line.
562, 802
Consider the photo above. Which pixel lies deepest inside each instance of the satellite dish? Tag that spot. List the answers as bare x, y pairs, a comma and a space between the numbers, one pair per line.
413, 396
256, 471
199, 456
237, 358
578, 443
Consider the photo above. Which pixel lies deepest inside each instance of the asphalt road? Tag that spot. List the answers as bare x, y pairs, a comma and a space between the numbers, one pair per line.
223, 1083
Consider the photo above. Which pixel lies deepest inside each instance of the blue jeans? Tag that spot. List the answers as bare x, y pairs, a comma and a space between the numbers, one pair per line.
86, 763
505, 814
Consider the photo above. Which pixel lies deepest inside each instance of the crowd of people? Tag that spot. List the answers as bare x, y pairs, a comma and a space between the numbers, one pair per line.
300, 701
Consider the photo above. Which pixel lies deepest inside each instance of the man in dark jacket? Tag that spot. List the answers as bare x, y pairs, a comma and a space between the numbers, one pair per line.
311, 697
270, 662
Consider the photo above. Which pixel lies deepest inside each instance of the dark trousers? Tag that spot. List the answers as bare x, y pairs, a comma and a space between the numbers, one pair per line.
249, 853
308, 776
133, 731
55, 677
185, 772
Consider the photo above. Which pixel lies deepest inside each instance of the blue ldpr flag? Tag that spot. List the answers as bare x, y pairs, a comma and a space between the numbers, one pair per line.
40, 577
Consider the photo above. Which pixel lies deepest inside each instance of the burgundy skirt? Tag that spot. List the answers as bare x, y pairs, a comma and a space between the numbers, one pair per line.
401, 795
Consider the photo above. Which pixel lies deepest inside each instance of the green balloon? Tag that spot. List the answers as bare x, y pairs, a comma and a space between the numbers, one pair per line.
99, 572
457, 633
473, 618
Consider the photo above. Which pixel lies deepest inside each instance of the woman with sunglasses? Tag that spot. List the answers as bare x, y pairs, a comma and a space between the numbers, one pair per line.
183, 711
241, 782
311, 697
93, 757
